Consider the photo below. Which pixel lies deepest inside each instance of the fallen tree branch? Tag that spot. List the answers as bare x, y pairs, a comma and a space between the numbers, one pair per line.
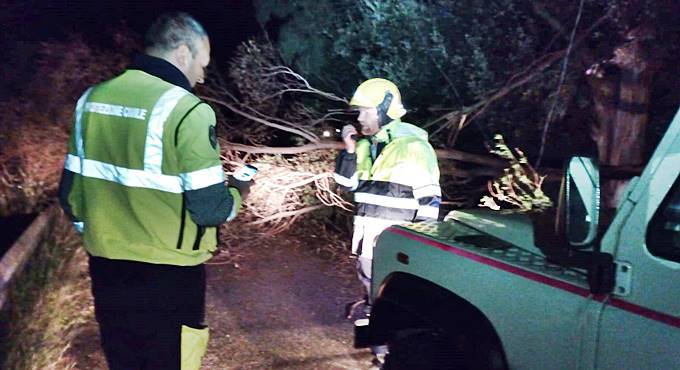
297, 131
298, 84
529, 73
281, 215
548, 60
519, 187
320, 145
461, 156
457, 155
470, 174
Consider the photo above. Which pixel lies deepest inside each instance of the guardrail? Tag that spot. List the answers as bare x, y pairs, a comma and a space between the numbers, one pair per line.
14, 260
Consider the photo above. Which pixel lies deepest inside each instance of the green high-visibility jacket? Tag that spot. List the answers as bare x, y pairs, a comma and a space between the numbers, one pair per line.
394, 174
138, 145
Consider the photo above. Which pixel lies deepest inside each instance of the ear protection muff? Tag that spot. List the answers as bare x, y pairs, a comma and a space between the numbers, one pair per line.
383, 107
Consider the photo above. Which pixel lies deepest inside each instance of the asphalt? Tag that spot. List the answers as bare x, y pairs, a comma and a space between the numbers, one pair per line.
282, 308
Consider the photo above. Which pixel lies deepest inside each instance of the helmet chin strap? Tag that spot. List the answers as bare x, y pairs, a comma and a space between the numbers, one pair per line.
383, 107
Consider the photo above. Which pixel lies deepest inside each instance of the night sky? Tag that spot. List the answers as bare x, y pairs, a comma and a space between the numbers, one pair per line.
25, 23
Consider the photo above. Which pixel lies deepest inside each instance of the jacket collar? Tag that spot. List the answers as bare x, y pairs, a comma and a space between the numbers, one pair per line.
397, 129
160, 68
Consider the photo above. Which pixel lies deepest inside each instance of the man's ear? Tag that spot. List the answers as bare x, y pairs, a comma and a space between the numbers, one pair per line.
183, 55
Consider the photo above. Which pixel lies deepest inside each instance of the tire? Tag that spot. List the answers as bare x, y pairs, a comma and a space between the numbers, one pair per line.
434, 349
422, 349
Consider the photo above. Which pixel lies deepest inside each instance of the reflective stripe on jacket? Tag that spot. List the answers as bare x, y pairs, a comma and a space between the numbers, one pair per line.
395, 176
138, 143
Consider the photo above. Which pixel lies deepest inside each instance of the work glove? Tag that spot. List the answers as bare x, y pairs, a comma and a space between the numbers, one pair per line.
349, 134
242, 186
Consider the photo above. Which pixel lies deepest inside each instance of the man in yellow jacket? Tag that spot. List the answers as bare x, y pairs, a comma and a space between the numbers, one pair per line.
143, 183
392, 171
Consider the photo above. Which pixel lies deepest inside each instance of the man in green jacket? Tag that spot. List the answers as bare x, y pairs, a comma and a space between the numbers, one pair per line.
392, 171
143, 183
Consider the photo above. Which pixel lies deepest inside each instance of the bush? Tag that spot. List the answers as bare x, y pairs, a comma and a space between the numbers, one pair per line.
38, 121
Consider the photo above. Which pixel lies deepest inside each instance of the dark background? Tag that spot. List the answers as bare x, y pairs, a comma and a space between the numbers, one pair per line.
24, 24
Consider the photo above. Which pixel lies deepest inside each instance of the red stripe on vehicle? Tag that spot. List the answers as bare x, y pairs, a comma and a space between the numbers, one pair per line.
645, 312
559, 284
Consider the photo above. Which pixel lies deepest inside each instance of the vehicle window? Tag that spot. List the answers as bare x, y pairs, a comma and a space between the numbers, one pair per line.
663, 233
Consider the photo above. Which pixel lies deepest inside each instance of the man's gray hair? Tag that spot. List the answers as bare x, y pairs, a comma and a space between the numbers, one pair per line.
171, 30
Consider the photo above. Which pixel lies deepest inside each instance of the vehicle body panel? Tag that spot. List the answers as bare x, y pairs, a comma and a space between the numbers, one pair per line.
522, 302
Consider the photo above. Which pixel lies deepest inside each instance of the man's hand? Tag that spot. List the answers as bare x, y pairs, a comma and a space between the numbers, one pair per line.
349, 134
242, 186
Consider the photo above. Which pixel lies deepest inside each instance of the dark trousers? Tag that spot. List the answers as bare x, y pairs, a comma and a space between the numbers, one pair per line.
140, 308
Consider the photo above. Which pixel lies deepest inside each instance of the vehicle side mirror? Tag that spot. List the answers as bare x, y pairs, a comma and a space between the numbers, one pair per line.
564, 232
581, 201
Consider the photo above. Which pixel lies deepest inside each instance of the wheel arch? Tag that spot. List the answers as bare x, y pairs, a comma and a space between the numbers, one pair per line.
407, 301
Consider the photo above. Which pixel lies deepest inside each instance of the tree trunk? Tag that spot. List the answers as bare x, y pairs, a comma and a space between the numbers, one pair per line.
621, 89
